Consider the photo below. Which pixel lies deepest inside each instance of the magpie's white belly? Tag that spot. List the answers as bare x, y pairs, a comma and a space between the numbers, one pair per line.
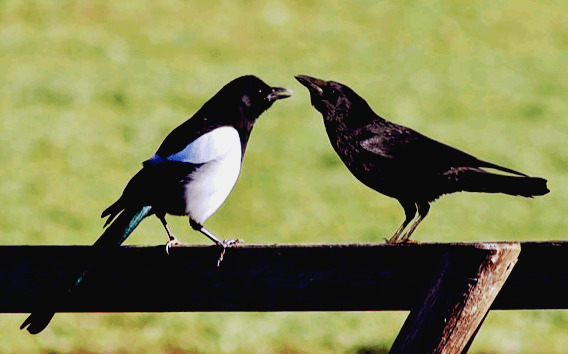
215, 161
211, 184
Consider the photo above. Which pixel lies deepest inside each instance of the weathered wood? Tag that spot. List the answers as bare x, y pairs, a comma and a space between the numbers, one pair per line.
453, 305
266, 278
470, 342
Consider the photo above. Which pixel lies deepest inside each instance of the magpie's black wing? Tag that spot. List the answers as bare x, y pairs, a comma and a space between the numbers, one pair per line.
161, 174
149, 185
186, 133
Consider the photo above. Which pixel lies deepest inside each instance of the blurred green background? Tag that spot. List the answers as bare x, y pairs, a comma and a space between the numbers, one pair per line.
90, 88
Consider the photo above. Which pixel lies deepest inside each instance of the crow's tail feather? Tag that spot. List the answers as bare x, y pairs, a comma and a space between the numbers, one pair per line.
501, 168
524, 186
111, 238
477, 180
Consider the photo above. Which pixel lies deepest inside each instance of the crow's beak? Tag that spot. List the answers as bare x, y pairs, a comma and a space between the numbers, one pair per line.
314, 85
279, 93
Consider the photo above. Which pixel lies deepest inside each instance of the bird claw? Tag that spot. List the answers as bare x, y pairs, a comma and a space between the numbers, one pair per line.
227, 244
402, 241
409, 242
172, 243
232, 243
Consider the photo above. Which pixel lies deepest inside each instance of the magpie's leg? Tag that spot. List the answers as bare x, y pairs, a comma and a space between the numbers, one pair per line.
173, 240
410, 211
224, 244
423, 208
209, 234
200, 228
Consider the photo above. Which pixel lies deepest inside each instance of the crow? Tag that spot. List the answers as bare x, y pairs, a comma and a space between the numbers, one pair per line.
401, 163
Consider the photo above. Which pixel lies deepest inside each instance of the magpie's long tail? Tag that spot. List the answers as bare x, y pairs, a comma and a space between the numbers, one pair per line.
478, 180
112, 211
111, 238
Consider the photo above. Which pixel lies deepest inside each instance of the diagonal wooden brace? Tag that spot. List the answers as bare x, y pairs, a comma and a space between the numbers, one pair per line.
453, 306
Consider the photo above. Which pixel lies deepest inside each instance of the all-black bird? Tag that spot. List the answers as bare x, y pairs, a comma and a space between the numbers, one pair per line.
191, 174
402, 163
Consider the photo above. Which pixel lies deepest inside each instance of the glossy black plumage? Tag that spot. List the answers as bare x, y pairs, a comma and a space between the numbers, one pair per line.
402, 163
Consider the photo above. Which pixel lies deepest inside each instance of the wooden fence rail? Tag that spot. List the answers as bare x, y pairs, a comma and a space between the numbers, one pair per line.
357, 277
449, 288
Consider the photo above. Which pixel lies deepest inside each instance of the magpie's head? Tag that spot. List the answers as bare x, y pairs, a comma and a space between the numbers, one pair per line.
335, 101
252, 95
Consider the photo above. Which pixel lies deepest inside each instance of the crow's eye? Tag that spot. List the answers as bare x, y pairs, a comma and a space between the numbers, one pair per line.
332, 93
262, 94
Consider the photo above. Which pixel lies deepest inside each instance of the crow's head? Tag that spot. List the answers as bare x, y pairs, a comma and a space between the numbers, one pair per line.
336, 102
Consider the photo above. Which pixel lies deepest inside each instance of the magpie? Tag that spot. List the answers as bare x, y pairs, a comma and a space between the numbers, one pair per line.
199, 162
401, 163
191, 174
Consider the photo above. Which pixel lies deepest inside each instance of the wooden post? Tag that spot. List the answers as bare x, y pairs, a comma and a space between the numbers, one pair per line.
453, 306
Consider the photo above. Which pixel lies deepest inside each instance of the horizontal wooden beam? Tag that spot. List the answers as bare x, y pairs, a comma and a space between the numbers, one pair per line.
266, 278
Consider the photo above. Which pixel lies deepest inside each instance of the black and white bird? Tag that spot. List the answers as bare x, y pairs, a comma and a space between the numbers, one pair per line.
199, 162
402, 163
192, 173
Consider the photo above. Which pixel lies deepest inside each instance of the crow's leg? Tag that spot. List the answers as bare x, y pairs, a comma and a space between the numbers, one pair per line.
410, 212
173, 240
423, 208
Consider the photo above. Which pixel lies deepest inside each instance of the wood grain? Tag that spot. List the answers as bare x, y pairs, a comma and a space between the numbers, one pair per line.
454, 304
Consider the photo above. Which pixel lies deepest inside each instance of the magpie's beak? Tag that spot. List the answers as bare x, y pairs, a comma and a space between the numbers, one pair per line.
315, 86
279, 93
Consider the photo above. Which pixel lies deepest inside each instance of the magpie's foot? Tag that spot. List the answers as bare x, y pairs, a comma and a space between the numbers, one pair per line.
227, 244
173, 242
232, 243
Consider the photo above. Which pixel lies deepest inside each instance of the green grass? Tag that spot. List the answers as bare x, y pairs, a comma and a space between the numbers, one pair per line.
89, 89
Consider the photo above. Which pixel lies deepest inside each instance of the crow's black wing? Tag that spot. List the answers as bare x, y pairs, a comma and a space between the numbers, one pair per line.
407, 146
